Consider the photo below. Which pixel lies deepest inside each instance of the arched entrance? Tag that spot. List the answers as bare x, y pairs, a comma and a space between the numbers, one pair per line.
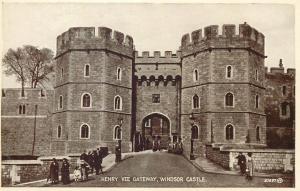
155, 126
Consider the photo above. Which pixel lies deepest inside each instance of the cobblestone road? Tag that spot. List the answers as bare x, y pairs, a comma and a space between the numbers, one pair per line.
168, 170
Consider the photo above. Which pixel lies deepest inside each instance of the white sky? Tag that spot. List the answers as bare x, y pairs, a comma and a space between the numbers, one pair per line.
152, 26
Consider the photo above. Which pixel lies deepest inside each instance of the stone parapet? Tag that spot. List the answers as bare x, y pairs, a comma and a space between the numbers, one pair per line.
85, 38
247, 38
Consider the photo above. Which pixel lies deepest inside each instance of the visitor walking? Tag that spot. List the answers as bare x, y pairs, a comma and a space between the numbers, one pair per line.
241, 162
84, 170
96, 162
54, 168
90, 161
65, 172
250, 167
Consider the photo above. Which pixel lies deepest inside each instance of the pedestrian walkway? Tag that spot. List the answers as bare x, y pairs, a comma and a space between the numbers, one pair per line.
107, 164
206, 165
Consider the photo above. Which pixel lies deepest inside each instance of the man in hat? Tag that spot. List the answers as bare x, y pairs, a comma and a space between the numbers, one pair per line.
242, 162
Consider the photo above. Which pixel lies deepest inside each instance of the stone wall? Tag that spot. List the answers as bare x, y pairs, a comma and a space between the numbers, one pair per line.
268, 160
265, 160
217, 156
22, 171
16, 126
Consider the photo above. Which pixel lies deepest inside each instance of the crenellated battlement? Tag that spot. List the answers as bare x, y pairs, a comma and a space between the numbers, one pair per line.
209, 38
280, 70
80, 38
158, 54
157, 57
29, 93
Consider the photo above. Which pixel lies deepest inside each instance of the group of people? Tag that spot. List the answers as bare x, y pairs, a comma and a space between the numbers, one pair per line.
54, 171
88, 163
175, 147
246, 165
92, 160
156, 144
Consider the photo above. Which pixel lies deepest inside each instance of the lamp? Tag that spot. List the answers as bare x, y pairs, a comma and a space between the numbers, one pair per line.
119, 152
192, 118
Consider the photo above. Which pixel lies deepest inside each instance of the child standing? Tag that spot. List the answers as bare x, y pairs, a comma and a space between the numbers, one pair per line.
77, 174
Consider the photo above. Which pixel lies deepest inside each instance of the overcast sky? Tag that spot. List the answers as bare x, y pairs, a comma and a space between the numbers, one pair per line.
152, 26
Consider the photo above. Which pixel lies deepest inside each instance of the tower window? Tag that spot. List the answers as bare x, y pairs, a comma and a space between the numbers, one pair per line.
118, 103
195, 102
284, 107
22, 109
86, 100
283, 90
256, 101
119, 73
258, 133
229, 99
155, 98
87, 70
195, 75
60, 102
59, 131
195, 132
3, 93
62, 73
117, 133
84, 131
229, 72
256, 75
229, 132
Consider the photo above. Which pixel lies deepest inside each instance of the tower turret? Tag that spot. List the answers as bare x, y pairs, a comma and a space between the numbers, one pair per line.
93, 90
223, 85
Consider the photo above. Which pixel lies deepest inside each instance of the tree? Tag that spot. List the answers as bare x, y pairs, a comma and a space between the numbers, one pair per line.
13, 60
39, 64
29, 64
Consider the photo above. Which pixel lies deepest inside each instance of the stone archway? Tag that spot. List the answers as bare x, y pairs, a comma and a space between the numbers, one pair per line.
155, 126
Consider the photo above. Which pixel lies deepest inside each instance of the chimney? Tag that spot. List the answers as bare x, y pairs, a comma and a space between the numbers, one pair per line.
280, 63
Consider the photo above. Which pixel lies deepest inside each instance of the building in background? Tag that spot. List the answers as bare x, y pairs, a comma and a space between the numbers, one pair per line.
280, 107
214, 90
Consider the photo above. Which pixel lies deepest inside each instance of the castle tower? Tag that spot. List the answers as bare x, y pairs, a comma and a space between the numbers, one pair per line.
92, 101
223, 87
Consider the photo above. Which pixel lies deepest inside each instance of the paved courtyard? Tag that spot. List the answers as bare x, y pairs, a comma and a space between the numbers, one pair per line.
162, 169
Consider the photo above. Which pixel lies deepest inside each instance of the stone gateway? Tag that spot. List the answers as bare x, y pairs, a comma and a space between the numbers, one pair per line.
212, 90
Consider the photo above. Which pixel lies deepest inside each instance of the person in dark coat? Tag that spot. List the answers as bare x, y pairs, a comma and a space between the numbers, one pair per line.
90, 161
98, 161
118, 153
83, 156
84, 170
180, 146
54, 168
65, 172
147, 143
242, 162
